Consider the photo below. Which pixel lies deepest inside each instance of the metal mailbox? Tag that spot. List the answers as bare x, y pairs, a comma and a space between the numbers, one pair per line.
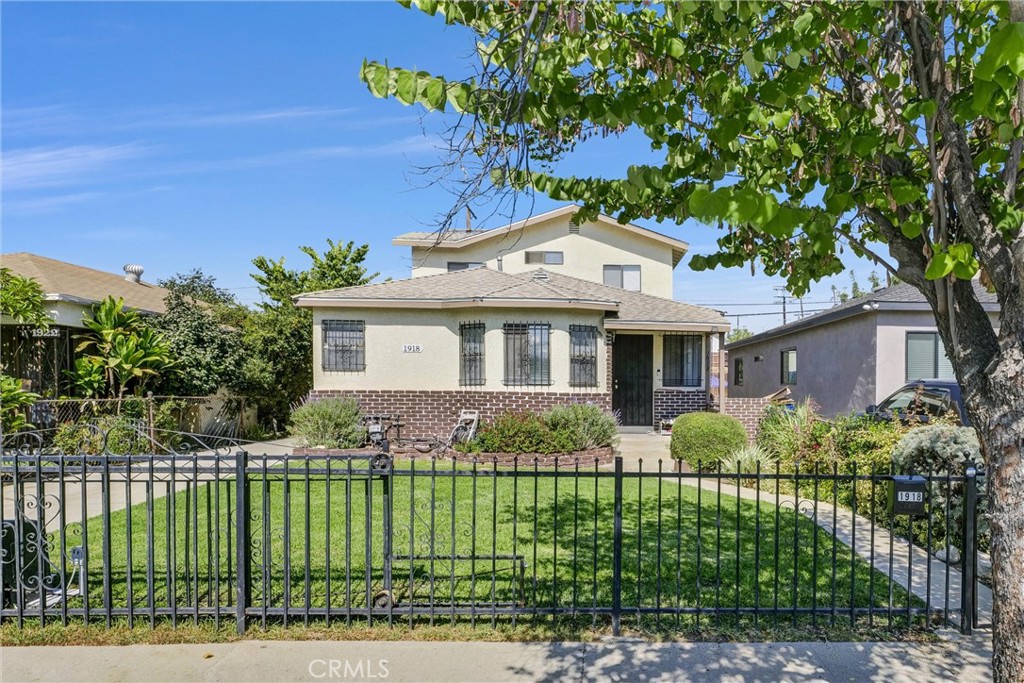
907, 495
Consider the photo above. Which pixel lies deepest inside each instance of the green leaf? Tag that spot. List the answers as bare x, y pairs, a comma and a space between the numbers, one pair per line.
782, 119
793, 60
940, 266
903, 191
405, 87
803, 22
676, 48
1005, 49
796, 150
432, 93
911, 228
753, 66
458, 95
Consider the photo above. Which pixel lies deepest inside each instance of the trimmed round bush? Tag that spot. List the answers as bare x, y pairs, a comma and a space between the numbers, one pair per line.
706, 437
329, 423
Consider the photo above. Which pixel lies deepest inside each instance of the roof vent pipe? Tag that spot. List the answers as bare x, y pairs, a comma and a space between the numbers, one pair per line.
133, 272
499, 265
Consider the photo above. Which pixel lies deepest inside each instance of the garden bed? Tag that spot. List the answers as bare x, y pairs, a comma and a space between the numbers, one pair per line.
588, 458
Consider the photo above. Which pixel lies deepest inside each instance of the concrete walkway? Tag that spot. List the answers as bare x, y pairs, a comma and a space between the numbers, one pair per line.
909, 566
611, 660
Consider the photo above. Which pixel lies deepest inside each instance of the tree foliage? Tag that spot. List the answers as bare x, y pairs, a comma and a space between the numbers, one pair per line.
801, 129
22, 299
737, 334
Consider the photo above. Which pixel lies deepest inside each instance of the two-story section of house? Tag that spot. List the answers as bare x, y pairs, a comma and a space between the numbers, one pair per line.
524, 317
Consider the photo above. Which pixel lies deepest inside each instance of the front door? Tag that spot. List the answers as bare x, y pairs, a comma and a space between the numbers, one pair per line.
633, 378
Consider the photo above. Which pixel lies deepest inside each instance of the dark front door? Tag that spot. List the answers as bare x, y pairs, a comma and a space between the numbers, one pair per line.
633, 383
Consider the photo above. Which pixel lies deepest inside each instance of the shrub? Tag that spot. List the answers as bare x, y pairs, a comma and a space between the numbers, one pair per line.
706, 438
748, 459
14, 401
586, 426
521, 432
797, 436
330, 423
113, 434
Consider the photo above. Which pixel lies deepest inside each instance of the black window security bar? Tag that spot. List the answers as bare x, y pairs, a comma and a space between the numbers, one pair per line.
471, 354
681, 360
583, 355
527, 354
344, 345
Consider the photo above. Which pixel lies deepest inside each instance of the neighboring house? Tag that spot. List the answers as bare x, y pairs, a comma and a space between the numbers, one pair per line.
471, 330
851, 355
40, 357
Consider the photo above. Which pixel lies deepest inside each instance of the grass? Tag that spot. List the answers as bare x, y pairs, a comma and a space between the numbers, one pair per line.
681, 548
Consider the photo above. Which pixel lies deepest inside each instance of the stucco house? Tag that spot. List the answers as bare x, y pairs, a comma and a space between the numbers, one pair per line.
849, 356
39, 357
534, 314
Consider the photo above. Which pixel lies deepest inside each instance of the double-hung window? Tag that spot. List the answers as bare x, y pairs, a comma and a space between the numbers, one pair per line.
788, 364
344, 345
926, 357
681, 360
471, 355
527, 354
623, 277
582, 356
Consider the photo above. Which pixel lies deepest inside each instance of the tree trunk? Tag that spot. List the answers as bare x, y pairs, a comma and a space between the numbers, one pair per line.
998, 413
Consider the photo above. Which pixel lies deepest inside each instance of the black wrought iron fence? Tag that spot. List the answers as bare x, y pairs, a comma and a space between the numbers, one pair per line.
263, 539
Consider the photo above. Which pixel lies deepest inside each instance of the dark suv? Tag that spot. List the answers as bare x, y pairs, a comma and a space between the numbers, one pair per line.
921, 400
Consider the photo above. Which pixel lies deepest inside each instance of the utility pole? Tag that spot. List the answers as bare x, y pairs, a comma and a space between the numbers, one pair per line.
784, 297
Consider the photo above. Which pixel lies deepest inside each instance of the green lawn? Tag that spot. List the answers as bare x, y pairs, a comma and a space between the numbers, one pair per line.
314, 538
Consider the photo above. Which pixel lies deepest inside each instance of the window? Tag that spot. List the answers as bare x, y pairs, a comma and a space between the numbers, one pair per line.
527, 354
548, 258
681, 360
471, 354
926, 358
737, 372
623, 277
582, 356
789, 366
463, 265
344, 345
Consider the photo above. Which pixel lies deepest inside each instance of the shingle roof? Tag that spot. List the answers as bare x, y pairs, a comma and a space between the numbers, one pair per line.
481, 286
66, 281
900, 296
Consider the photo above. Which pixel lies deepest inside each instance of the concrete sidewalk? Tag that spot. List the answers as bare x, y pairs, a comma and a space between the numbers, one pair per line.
966, 661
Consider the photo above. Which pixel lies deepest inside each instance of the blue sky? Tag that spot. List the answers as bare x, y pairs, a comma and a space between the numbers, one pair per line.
183, 135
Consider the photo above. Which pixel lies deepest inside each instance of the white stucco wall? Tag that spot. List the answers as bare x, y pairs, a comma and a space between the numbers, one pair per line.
893, 327
436, 367
586, 254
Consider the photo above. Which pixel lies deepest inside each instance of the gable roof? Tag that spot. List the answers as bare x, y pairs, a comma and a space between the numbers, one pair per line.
898, 297
457, 239
62, 281
483, 287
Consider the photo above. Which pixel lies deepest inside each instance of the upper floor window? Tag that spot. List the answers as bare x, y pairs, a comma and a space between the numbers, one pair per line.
681, 360
471, 354
548, 258
737, 372
582, 356
527, 354
926, 358
463, 265
623, 277
788, 366
344, 345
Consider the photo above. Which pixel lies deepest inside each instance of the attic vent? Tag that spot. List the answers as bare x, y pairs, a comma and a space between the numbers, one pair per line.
574, 229
541, 275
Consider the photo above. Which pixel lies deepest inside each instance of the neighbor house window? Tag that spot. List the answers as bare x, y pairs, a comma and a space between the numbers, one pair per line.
463, 265
789, 366
623, 277
926, 358
471, 354
548, 258
737, 372
344, 345
582, 356
681, 357
527, 354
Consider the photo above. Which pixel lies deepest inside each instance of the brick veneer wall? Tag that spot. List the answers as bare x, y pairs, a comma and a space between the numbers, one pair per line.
669, 404
746, 410
433, 413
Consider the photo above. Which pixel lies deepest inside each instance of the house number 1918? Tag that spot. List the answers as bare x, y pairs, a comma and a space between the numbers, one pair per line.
412, 348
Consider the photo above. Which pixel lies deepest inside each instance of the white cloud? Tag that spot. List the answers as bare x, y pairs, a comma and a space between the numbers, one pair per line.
53, 166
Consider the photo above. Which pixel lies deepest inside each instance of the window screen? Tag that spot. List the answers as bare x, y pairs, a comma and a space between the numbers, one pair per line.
788, 366
527, 354
681, 360
471, 354
344, 345
623, 277
582, 355
926, 357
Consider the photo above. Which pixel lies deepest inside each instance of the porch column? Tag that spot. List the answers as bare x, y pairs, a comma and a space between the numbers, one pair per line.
721, 372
